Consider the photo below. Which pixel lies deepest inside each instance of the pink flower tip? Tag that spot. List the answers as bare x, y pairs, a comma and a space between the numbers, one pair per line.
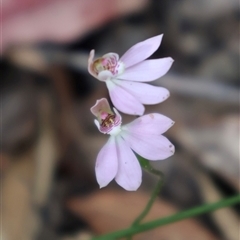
107, 120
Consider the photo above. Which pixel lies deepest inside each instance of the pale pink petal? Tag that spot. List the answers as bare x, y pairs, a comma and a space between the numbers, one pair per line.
107, 163
141, 51
111, 54
90, 63
145, 93
147, 70
148, 125
129, 174
104, 75
100, 105
151, 147
123, 100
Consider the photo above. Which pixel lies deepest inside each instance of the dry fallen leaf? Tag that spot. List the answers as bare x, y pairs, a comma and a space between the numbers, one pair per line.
50, 20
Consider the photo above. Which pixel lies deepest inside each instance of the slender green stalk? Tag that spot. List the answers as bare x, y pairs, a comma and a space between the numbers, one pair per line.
146, 165
171, 219
148, 207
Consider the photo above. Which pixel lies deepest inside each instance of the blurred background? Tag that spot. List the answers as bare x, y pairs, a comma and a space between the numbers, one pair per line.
49, 143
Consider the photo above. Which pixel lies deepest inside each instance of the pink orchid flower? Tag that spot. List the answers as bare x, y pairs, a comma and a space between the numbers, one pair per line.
116, 160
125, 76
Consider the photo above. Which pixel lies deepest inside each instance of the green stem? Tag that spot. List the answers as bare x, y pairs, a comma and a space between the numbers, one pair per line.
146, 165
171, 219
